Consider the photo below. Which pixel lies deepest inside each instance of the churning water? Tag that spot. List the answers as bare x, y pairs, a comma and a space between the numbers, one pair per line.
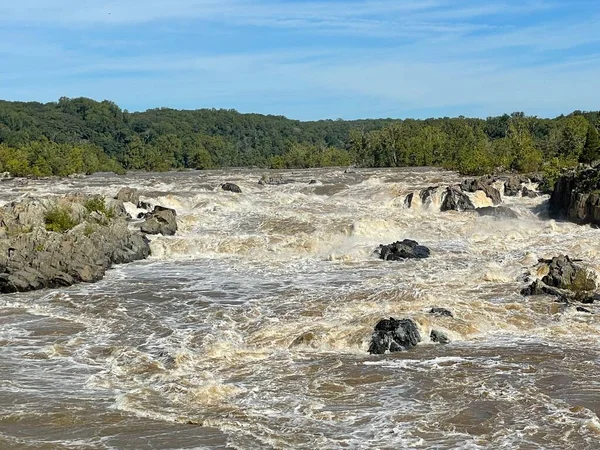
249, 329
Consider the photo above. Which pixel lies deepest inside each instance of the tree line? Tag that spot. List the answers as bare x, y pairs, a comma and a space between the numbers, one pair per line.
83, 135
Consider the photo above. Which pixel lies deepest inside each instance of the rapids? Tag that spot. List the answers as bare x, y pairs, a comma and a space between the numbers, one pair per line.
249, 328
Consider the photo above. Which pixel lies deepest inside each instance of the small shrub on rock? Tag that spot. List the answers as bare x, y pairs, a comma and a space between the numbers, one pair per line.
59, 220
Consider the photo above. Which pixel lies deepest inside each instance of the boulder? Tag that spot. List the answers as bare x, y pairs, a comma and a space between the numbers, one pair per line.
393, 335
526, 192
408, 200
429, 194
456, 200
160, 221
503, 212
576, 196
402, 250
564, 274
583, 310
442, 312
512, 185
231, 187
128, 194
482, 184
277, 180
439, 337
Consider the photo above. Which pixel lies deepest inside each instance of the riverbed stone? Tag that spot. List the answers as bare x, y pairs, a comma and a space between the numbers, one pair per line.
160, 221
391, 335
400, 250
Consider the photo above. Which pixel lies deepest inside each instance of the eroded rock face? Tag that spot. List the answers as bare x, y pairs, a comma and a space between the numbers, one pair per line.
128, 194
393, 335
160, 221
403, 250
483, 184
231, 187
456, 200
576, 197
33, 258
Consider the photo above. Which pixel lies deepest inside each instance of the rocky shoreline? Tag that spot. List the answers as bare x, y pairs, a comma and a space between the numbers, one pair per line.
59, 241
576, 196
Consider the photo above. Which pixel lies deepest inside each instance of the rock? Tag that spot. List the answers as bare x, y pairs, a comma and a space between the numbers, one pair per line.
512, 186
276, 180
34, 258
576, 196
160, 221
503, 212
393, 335
442, 312
456, 200
231, 187
313, 182
583, 310
564, 274
439, 336
145, 205
429, 194
117, 209
482, 184
526, 192
403, 250
128, 194
408, 200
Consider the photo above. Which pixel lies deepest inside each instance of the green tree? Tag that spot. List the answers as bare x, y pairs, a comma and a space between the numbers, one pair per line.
591, 149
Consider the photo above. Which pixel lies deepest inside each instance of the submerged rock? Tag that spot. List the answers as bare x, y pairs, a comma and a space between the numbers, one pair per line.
442, 312
503, 212
583, 310
231, 187
160, 221
276, 181
403, 250
456, 200
393, 335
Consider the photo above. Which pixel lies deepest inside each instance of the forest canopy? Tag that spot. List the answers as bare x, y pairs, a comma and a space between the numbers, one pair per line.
83, 135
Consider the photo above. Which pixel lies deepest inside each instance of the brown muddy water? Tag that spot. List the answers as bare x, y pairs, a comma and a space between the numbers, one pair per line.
250, 328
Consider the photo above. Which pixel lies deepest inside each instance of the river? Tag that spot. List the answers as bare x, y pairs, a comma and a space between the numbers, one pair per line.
249, 329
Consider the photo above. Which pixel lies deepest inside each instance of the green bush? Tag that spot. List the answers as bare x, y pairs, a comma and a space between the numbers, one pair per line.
59, 220
99, 205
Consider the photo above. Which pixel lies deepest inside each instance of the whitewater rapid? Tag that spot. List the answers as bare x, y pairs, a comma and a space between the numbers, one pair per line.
250, 327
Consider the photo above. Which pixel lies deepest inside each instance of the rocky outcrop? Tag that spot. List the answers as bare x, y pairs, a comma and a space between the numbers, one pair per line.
391, 335
439, 337
456, 200
231, 187
501, 212
160, 221
275, 180
513, 185
576, 196
88, 238
128, 194
402, 250
483, 184
564, 279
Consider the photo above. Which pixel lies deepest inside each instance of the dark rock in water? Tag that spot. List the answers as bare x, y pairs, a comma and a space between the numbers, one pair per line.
128, 194
313, 182
512, 186
576, 196
443, 312
408, 200
485, 185
160, 221
394, 336
526, 192
564, 274
439, 337
143, 215
456, 200
426, 195
231, 187
403, 250
499, 211
144, 205
583, 310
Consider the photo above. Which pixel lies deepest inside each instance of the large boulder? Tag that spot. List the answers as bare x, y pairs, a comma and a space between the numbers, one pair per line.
402, 250
45, 255
393, 335
576, 196
513, 185
231, 187
456, 200
483, 184
501, 212
128, 194
160, 221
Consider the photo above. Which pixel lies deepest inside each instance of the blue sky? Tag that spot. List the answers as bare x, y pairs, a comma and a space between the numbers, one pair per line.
318, 59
